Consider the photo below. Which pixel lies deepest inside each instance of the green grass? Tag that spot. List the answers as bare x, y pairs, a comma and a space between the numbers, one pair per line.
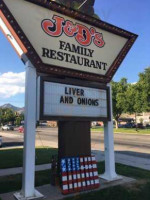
97, 128
14, 182
125, 170
14, 157
141, 192
124, 130
140, 189
132, 130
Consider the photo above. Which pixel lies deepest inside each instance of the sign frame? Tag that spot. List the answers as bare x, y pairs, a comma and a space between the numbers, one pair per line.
50, 69
73, 82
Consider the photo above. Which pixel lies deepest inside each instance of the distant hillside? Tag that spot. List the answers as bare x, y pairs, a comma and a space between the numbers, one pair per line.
17, 109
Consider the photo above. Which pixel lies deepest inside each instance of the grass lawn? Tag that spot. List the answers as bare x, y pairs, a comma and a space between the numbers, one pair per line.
124, 130
14, 182
137, 191
14, 157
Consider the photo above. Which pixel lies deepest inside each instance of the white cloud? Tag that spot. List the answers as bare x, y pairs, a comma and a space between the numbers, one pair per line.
12, 84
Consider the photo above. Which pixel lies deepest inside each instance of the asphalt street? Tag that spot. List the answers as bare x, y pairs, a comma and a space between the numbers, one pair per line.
124, 143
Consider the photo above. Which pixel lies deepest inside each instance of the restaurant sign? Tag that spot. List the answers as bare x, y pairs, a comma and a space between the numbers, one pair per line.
62, 41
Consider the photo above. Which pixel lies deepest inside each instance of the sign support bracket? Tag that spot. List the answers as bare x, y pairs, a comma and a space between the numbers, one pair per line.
28, 183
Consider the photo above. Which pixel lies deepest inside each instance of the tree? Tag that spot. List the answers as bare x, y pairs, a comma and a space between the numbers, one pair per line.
119, 98
131, 98
87, 7
138, 95
19, 118
7, 115
134, 99
0, 116
144, 85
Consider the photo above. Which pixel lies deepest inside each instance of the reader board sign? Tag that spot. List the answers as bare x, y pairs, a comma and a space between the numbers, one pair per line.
62, 41
67, 100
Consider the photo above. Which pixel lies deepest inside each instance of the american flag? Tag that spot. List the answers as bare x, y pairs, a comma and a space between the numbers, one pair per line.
78, 174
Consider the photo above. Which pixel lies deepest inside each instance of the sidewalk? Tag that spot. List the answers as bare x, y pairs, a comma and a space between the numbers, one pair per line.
130, 160
134, 160
18, 170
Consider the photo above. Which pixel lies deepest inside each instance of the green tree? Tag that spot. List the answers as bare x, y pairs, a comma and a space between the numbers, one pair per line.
131, 98
134, 99
1, 116
119, 98
19, 118
144, 85
7, 115
87, 7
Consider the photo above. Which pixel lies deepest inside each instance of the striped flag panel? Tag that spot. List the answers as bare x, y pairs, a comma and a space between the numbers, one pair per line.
78, 174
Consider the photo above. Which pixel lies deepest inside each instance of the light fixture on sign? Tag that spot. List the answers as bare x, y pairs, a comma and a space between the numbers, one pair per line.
12, 37
82, 4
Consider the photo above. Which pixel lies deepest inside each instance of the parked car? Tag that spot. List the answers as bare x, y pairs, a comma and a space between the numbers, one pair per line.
1, 141
147, 126
127, 125
130, 125
140, 125
21, 129
7, 128
95, 123
121, 126
52, 124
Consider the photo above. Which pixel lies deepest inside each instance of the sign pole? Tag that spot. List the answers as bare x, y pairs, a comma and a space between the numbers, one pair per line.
28, 182
78, 143
110, 172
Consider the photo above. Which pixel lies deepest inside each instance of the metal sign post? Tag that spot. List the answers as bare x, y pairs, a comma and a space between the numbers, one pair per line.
28, 182
110, 172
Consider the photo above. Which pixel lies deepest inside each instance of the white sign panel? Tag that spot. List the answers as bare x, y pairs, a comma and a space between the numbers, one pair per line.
65, 42
73, 101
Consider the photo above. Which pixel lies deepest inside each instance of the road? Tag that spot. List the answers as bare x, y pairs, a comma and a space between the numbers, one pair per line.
124, 143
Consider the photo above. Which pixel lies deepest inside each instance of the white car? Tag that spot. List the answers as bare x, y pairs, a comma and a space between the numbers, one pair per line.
1, 141
7, 128
93, 124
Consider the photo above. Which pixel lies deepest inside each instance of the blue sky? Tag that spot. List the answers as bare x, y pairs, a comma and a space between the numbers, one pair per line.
132, 15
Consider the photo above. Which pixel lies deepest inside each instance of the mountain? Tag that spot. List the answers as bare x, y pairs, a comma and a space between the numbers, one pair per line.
16, 109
